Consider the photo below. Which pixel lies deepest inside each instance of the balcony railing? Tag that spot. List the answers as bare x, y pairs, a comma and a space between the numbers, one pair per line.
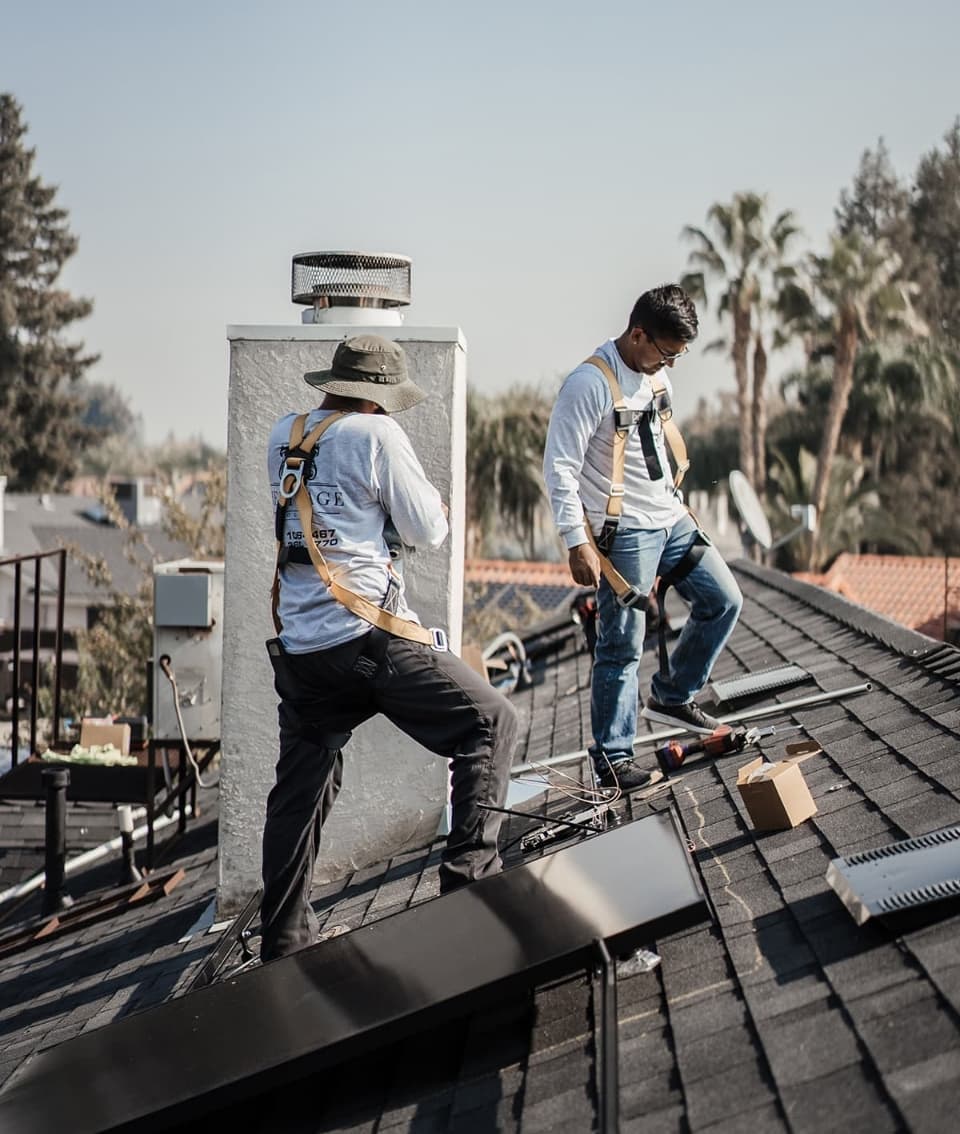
27, 565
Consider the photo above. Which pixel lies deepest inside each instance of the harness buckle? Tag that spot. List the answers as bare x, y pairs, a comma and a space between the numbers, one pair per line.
632, 597
616, 490
439, 642
605, 538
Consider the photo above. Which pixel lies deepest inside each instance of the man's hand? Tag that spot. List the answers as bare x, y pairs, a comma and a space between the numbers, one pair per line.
584, 565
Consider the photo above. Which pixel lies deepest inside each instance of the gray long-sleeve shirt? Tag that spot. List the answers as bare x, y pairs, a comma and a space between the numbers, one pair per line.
578, 456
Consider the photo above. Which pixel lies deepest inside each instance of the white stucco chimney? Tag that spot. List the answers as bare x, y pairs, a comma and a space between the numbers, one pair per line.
395, 793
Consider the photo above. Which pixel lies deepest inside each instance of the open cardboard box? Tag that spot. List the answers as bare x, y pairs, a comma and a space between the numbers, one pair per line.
93, 732
776, 797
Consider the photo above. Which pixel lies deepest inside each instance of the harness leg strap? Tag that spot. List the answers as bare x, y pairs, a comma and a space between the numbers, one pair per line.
676, 574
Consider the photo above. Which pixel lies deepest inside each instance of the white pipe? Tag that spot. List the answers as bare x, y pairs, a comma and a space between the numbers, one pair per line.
89, 856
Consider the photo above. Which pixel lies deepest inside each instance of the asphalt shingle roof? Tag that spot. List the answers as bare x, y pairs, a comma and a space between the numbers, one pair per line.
779, 1014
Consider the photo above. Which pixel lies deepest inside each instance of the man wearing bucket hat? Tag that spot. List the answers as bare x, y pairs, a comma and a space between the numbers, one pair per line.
347, 645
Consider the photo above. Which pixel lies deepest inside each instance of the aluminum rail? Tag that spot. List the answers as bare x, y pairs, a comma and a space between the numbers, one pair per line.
665, 734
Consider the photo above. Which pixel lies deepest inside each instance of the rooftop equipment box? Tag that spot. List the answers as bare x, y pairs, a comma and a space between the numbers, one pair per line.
776, 795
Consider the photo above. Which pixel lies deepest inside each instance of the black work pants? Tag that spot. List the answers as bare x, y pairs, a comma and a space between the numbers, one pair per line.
434, 697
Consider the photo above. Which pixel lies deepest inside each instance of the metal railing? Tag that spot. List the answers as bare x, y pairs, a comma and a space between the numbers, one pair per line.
20, 564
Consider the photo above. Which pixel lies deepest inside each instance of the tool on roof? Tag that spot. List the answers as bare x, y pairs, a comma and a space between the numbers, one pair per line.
721, 742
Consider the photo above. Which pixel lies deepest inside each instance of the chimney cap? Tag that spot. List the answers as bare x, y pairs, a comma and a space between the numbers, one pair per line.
350, 279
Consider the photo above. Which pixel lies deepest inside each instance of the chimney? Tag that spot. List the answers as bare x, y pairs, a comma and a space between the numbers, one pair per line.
394, 795
137, 503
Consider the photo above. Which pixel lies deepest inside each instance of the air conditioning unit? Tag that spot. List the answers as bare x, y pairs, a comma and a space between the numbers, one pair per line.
187, 649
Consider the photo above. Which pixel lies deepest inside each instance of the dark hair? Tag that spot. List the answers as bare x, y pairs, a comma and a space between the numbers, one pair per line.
666, 312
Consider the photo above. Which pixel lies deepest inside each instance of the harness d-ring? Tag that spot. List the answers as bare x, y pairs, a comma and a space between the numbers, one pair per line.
296, 475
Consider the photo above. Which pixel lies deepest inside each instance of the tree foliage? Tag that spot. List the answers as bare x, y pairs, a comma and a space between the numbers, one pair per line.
746, 254
506, 435
39, 368
935, 213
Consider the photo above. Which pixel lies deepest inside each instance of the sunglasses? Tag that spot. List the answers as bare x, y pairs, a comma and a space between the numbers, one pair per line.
667, 356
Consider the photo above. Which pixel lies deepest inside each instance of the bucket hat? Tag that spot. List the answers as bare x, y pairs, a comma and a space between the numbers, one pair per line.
371, 368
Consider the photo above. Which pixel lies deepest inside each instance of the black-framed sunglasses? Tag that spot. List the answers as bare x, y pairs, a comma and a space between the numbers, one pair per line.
666, 355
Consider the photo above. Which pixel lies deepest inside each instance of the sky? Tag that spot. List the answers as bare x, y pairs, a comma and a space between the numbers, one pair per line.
536, 161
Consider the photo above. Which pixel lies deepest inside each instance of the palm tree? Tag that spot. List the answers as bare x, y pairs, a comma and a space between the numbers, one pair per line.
505, 441
852, 515
858, 281
748, 260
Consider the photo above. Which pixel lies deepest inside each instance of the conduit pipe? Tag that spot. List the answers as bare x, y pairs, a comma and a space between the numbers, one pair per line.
665, 734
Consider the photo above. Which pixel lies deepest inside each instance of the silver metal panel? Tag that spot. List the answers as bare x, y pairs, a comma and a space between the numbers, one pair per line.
758, 682
182, 600
899, 876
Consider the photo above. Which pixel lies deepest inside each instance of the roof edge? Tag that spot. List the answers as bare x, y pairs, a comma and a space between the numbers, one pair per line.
909, 643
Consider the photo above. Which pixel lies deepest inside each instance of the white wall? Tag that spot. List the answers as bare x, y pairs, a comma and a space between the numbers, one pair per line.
394, 792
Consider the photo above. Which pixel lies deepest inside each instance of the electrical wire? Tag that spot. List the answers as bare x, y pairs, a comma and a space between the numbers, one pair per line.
167, 668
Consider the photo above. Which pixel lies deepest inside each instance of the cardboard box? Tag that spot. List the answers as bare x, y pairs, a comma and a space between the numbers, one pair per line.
778, 797
96, 732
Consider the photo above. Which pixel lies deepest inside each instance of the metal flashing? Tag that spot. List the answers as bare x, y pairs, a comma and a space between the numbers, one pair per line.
897, 877
777, 677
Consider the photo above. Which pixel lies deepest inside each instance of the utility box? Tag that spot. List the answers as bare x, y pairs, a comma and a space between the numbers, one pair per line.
187, 630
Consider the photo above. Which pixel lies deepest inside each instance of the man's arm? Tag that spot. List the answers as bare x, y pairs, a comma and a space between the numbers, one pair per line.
576, 414
408, 498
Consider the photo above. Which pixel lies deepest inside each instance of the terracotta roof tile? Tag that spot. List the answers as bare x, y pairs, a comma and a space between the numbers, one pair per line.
910, 589
532, 574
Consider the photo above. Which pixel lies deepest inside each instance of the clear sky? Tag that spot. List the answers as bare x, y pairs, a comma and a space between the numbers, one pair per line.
536, 160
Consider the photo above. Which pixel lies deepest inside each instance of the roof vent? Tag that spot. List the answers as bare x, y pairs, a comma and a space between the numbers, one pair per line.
351, 287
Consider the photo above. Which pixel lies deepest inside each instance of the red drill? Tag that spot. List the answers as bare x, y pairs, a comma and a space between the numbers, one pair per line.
720, 742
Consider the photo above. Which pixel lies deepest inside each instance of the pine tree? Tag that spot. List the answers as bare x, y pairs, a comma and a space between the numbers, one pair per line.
936, 218
43, 431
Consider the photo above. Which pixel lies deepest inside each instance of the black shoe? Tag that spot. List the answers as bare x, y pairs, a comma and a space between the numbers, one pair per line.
626, 775
689, 716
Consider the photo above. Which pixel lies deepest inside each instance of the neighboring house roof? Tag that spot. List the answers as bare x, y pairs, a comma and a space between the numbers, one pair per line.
779, 1014
521, 590
42, 523
922, 592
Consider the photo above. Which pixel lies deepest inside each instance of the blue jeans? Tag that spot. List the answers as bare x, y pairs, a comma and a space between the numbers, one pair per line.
640, 555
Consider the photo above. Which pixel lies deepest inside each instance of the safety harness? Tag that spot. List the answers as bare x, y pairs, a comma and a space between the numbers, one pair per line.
293, 486
624, 419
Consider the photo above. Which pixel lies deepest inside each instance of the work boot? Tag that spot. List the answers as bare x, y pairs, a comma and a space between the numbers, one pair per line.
626, 775
689, 716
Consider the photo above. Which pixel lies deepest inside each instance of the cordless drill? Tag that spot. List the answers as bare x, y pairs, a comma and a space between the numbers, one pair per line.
720, 742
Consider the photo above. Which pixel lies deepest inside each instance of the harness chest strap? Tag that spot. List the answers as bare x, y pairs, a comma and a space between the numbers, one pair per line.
299, 452
628, 594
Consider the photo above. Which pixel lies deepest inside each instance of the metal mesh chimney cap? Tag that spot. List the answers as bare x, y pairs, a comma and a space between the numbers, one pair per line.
350, 279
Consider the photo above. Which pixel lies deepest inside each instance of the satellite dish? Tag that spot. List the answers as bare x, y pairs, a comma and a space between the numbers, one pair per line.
750, 509
755, 519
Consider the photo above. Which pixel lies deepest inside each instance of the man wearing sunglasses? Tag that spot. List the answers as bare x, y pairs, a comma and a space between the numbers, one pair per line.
639, 526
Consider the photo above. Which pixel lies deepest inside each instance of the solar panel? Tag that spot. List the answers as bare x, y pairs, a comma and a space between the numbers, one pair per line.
230, 1041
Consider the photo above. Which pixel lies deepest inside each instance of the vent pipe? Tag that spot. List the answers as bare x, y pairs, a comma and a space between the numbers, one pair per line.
351, 287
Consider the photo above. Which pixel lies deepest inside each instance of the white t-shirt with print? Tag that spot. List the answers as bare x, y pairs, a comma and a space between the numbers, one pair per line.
364, 471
